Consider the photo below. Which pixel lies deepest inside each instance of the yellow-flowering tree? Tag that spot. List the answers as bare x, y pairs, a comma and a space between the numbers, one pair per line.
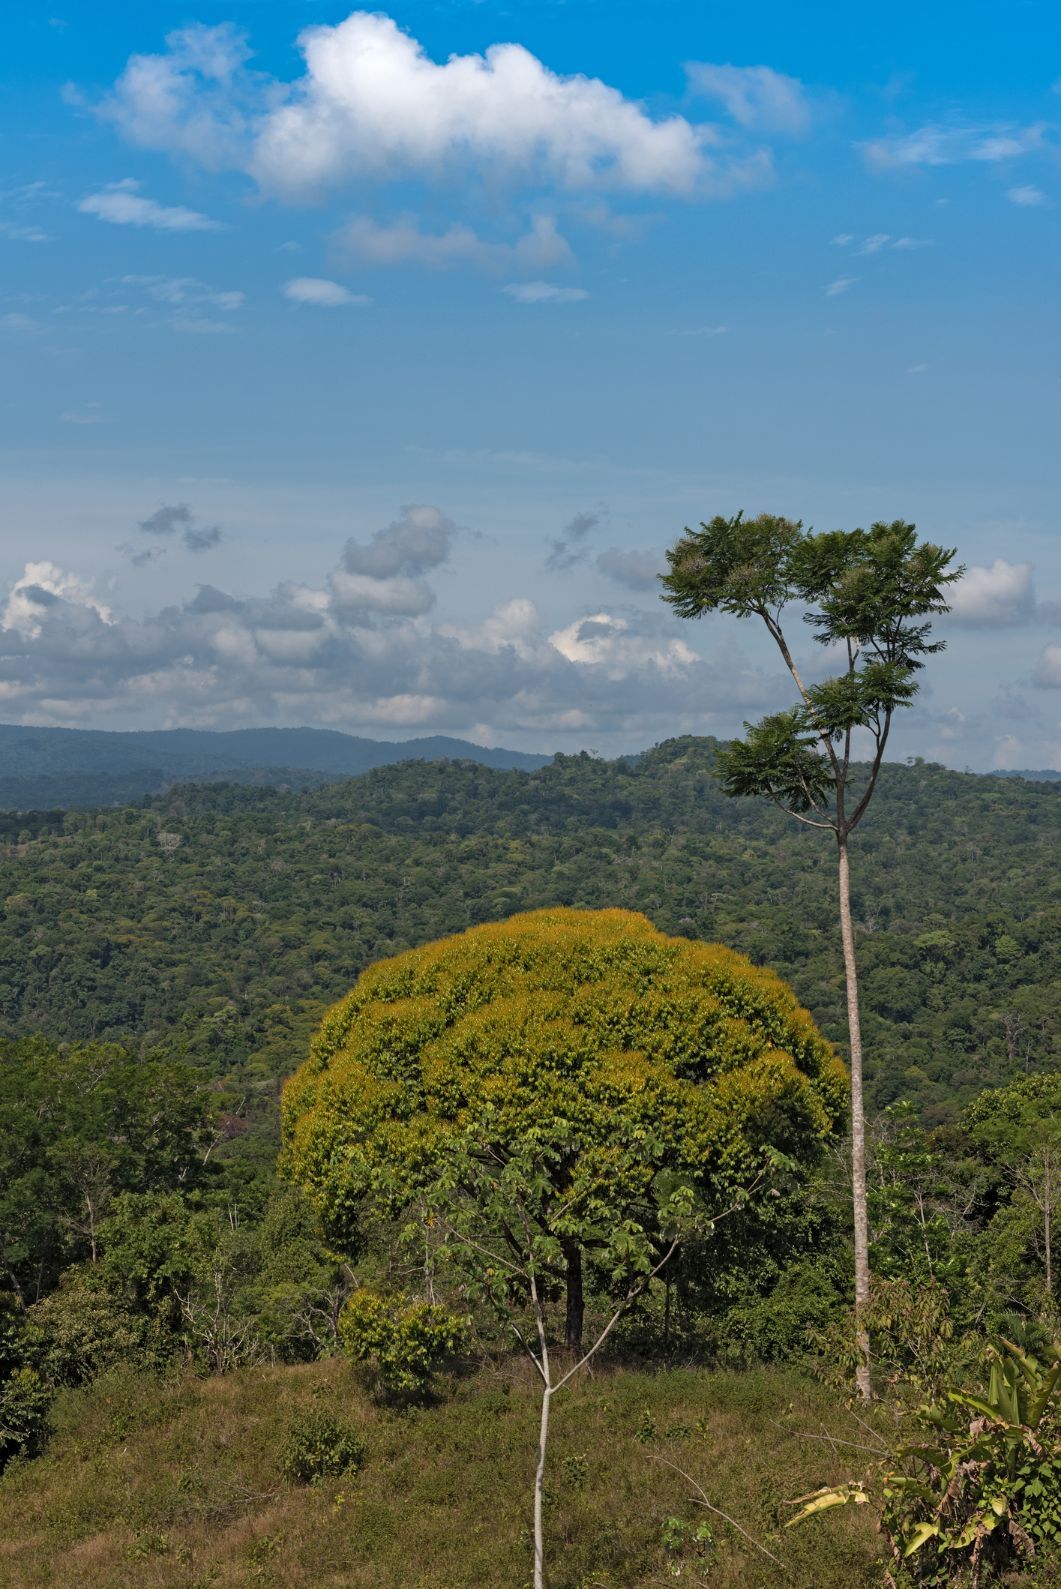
561, 1089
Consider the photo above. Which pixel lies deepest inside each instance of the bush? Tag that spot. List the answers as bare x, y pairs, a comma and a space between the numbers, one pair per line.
83, 1329
408, 1341
775, 1328
24, 1403
912, 1340
977, 1490
316, 1446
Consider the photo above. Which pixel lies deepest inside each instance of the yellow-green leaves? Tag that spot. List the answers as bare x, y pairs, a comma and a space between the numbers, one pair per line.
825, 1499
565, 1056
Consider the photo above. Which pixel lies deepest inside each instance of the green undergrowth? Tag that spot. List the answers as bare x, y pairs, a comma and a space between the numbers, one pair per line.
178, 1482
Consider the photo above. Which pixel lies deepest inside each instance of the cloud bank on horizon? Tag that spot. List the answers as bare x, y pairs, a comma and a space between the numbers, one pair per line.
362, 649
356, 649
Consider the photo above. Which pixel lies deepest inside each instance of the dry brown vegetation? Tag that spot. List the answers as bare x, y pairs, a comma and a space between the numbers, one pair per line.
175, 1483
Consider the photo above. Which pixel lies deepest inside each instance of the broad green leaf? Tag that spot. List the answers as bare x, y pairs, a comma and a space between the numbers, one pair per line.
920, 1534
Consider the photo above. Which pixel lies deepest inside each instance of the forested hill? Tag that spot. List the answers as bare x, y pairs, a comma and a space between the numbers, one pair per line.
221, 919
43, 767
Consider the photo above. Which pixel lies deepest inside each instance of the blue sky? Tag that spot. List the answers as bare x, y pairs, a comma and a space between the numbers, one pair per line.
358, 367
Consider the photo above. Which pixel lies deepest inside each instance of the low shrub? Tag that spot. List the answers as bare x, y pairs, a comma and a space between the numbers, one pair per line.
317, 1445
408, 1341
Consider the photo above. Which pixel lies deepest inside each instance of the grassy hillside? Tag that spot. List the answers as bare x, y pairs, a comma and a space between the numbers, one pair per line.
177, 1485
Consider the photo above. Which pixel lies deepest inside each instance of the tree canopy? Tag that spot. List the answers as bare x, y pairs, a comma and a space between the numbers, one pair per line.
78, 1126
577, 1069
229, 949
869, 595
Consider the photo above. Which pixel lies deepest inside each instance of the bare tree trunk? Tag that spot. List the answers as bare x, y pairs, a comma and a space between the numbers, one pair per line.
858, 1129
1049, 1261
543, 1438
576, 1306
1048, 1219
539, 1491
550, 1387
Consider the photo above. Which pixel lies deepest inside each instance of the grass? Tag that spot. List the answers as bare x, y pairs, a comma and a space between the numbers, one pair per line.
176, 1483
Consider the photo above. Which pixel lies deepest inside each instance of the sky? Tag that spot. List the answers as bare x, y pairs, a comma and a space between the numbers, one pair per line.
357, 368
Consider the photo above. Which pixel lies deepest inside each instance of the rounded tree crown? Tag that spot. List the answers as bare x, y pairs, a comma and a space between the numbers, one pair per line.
587, 1039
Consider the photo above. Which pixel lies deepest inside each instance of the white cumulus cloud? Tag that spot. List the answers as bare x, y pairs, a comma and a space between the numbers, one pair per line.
359, 649
515, 623
41, 586
1000, 593
320, 292
373, 104
756, 97
123, 204
617, 644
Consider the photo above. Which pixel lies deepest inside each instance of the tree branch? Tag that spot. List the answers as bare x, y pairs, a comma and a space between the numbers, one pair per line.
719, 1512
860, 810
828, 827
530, 1353
782, 645
630, 1296
468, 1241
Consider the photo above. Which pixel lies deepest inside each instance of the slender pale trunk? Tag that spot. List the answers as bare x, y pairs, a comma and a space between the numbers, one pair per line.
858, 1129
1047, 1236
543, 1439
550, 1387
539, 1492
1048, 1220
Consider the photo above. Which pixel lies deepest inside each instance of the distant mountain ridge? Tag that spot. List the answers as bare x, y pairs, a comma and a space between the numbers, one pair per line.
1042, 775
42, 768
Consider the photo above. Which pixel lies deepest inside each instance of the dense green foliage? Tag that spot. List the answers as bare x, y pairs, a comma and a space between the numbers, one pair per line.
228, 938
984, 1485
560, 1098
317, 1445
80, 1126
407, 1341
174, 958
130, 1232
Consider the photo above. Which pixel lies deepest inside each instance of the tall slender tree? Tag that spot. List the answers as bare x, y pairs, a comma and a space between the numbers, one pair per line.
868, 597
